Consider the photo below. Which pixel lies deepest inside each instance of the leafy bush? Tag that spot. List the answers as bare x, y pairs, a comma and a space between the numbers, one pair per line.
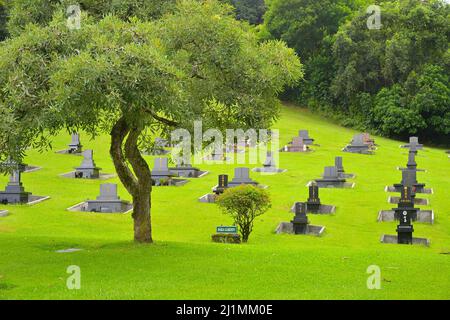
244, 203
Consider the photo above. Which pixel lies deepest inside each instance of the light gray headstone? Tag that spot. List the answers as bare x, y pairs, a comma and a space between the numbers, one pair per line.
108, 191
338, 163
161, 164
330, 172
304, 134
358, 140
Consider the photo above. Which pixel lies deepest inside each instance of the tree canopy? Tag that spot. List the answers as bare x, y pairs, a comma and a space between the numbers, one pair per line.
373, 79
122, 77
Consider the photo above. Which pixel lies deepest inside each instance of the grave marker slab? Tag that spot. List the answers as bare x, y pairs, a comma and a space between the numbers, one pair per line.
413, 143
88, 169
108, 201
358, 145
300, 221
297, 145
241, 176
75, 144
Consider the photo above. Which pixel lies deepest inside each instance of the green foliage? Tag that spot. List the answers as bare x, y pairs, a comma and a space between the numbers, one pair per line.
23, 12
347, 65
176, 67
249, 10
412, 44
244, 203
3, 20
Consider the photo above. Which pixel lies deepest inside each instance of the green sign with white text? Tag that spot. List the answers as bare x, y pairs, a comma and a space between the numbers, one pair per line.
222, 229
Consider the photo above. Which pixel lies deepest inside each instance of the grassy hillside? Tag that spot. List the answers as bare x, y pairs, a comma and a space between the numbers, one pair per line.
185, 264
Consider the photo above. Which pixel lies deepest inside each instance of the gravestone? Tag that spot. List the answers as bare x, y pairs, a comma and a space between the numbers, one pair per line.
269, 165
331, 178
222, 184
409, 179
183, 169
297, 145
412, 165
313, 202
300, 222
160, 171
88, 169
217, 155
406, 203
108, 201
75, 144
358, 145
368, 140
15, 192
306, 138
241, 176
413, 143
405, 229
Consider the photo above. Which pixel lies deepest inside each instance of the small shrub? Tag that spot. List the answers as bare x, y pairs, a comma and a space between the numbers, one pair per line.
244, 203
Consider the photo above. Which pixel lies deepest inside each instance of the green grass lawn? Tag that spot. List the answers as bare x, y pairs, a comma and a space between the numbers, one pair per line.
184, 263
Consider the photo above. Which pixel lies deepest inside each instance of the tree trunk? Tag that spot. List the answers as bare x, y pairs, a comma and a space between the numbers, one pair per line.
137, 182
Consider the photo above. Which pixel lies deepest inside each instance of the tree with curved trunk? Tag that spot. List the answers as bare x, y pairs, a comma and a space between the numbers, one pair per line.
131, 78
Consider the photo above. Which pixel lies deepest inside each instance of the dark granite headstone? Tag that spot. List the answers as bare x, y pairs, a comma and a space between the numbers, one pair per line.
406, 202
412, 165
108, 201
313, 202
88, 169
300, 222
405, 229
241, 176
222, 184
331, 178
75, 144
15, 192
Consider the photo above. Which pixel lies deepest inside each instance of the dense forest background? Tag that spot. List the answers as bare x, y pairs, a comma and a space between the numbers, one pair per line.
391, 79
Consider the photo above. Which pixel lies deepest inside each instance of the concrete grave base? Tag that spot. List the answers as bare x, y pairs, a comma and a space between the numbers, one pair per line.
269, 170
215, 159
327, 184
32, 199
393, 239
31, 169
70, 250
398, 189
358, 150
171, 183
67, 152
323, 209
208, 198
348, 175
288, 227
418, 201
425, 216
188, 172
103, 176
296, 150
4, 213
82, 207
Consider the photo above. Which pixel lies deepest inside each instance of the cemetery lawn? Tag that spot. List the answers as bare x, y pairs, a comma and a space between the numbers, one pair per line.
184, 263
